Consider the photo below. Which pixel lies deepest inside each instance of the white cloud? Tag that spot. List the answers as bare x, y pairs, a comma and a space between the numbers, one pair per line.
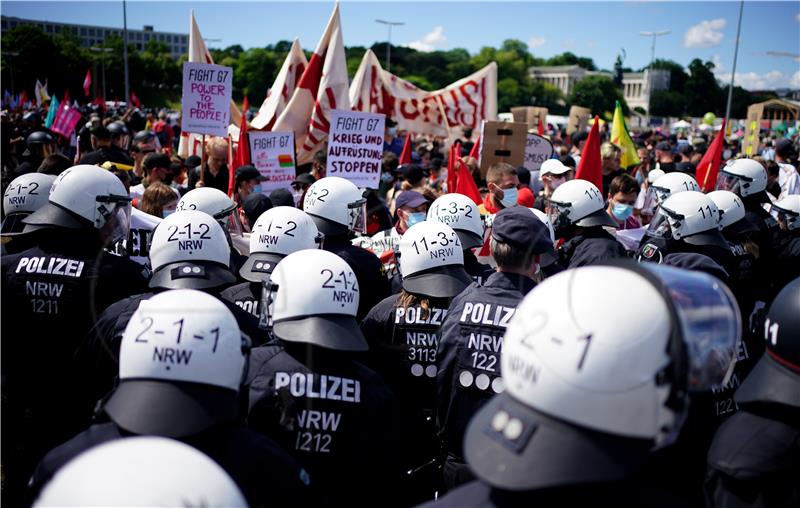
719, 67
705, 34
795, 81
536, 42
754, 81
431, 41
797, 17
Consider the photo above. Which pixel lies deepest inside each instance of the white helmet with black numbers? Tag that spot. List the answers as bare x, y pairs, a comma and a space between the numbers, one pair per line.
577, 203
277, 233
85, 196
190, 250
23, 196
460, 213
432, 260
586, 400
312, 297
673, 183
186, 337
788, 209
744, 177
215, 203
732, 212
336, 205
142, 471
550, 257
691, 217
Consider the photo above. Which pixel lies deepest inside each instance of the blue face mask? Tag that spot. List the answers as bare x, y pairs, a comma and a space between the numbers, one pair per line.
256, 189
386, 177
415, 218
622, 211
509, 197
166, 213
639, 177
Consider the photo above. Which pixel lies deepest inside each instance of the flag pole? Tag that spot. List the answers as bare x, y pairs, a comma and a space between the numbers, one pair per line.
733, 73
125, 49
203, 159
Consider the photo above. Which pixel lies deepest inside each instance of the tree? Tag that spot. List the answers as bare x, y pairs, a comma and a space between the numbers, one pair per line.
568, 58
701, 91
677, 75
597, 93
666, 103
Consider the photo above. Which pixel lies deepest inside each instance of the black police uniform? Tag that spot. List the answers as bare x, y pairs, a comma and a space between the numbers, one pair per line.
110, 153
766, 237
246, 296
787, 258
590, 246
335, 416
368, 269
468, 360
265, 473
51, 295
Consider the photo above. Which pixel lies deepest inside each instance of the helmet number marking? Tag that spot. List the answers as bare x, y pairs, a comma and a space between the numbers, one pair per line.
149, 322
341, 280
771, 332
592, 193
702, 210
293, 225
588, 339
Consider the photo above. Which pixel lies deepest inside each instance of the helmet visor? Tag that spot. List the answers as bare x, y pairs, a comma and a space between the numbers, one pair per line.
710, 323
660, 194
358, 216
233, 223
660, 226
113, 216
557, 214
728, 182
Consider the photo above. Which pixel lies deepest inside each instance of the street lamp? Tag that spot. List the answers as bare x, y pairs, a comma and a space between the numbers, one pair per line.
733, 72
103, 64
654, 35
390, 24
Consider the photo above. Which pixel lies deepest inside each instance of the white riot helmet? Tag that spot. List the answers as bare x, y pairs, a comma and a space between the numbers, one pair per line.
691, 217
85, 196
215, 203
24, 195
460, 213
277, 233
744, 177
585, 400
142, 471
336, 205
190, 250
579, 203
432, 260
673, 183
788, 209
315, 295
181, 362
732, 212
548, 258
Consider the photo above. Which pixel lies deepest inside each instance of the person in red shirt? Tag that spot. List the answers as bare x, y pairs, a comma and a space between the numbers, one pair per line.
525, 196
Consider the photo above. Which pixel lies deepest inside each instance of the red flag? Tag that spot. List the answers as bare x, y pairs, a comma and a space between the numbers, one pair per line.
590, 165
116, 102
135, 100
100, 101
242, 157
66, 97
540, 128
476, 149
405, 155
87, 82
708, 168
23, 98
465, 183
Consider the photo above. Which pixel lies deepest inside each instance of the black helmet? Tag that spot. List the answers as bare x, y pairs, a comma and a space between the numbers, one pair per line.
39, 138
117, 129
143, 136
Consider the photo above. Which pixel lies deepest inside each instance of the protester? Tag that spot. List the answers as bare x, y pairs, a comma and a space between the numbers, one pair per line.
622, 194
159, 200
502, 182
610, 158
553, 173
214, 173
105, 150
157, 168
248, 181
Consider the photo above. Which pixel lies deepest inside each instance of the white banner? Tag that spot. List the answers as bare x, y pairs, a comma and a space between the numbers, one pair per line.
355, 147
537, 150
206, 95
272, 153
278, 96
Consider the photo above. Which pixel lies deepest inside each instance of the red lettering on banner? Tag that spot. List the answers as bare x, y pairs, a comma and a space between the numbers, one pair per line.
409, 115
311, 77
483, 98
468, 96
388, 103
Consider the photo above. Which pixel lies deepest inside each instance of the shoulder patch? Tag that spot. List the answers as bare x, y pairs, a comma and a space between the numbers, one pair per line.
652, 253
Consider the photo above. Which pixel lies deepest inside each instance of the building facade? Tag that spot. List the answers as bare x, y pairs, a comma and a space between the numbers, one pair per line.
563, 76
90, 36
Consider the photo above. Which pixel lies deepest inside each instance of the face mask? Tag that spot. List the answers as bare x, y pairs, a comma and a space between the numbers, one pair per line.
386, 177
256, 189
297, 196
392, 131
509, 197
639, 178
166, 213
556, 182
726, 154
415, 218
622, 211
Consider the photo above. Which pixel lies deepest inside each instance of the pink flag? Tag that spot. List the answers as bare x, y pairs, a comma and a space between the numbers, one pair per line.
66, 120
283, 88
322, 88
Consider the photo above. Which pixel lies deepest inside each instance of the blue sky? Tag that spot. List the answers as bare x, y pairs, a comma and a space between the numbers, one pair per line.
705, 30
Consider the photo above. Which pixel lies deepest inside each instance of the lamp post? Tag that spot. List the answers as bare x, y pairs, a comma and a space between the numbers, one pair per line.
103, 52
389, 24
654, 35
125, 51
733, 73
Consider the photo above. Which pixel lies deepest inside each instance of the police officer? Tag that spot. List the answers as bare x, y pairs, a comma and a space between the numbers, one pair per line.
105, 150
578, 419
468, 356
787, 253
670, 184
181, 365
120, 135
403, 331
577, 213
337, 207
460, 213
276, 233
307, 391
754, 459
142, 471
51, 294
39, 144
25, 195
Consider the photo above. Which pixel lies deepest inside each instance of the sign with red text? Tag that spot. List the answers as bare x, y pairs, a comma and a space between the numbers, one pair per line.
205, 104
272, 153
355, 147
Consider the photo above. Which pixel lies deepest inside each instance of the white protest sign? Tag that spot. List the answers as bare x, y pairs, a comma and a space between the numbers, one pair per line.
272, 153
355, 147
205, 104
537, 150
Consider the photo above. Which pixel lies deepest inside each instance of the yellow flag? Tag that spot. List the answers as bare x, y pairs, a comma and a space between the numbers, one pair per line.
621, 138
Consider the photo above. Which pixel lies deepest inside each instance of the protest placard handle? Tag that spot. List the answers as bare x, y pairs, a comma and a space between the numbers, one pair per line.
203, 160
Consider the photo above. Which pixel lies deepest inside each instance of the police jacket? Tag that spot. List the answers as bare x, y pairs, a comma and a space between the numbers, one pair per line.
335, 416
110, 153
787, 259
590, 246
373, 285
246, 296
265, 473
468, 356
658, 250
754, 459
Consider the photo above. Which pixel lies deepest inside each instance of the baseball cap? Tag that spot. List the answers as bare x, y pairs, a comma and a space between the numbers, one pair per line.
411, 173
664, 146
244, 173
304, 179
519, 227
553, 166
411, 199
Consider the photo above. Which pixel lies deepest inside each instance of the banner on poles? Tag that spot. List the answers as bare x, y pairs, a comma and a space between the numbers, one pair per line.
537, 150
355, 147
272, 153
205, 104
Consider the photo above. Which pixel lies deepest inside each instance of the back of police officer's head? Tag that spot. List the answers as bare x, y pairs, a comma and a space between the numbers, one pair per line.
336, 206
518, 239
181, 364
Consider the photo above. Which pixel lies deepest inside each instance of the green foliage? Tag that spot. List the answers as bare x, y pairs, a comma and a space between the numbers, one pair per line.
701, 92
666, 103
567, 58
597, 93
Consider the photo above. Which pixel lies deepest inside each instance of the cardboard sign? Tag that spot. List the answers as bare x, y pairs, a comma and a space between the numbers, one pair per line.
355, 147
530, 115
272, 153
205, 104
537, 150
752, 129
502, 142
578, 119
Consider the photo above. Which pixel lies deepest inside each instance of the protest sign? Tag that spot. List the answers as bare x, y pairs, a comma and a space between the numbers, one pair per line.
530, 115
205, 104
578, 119
272, 153
502, 142
355, 146
752, 129
66, 120
537, 150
